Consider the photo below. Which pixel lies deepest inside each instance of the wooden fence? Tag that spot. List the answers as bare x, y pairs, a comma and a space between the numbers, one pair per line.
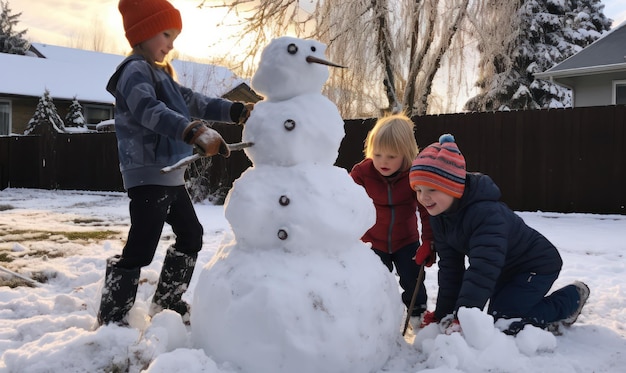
566, 160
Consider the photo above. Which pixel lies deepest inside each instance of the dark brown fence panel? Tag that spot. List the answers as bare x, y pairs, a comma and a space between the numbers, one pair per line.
25, 162
4, 161
618, 161
600, 163
566, 160
351, 148
224, 171
87, 161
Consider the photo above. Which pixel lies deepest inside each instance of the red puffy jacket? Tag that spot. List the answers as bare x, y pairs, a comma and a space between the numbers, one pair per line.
396, 205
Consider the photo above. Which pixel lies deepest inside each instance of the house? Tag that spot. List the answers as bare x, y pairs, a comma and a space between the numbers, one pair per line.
69, 73
597, 74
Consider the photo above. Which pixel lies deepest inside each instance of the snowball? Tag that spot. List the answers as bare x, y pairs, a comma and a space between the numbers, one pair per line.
477, 327
532, 340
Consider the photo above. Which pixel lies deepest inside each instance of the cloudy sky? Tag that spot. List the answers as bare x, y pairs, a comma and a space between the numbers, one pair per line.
79, 23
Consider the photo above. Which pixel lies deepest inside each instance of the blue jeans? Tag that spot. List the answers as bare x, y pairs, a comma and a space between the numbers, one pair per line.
524, 296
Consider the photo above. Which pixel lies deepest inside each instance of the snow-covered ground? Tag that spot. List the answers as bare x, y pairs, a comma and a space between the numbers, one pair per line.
62, 238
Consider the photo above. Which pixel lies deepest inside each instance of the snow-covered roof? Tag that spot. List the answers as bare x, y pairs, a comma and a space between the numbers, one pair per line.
67, 73
606, 54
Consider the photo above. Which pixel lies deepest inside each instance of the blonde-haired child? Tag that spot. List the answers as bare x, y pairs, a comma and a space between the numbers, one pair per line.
390, 148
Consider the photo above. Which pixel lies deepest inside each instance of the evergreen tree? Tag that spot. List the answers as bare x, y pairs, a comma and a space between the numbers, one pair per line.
548, 32
45, 114
586, 22
11, 41
74, 117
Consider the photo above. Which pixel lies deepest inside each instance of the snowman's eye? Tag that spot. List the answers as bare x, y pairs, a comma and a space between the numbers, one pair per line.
292, 48
313, 49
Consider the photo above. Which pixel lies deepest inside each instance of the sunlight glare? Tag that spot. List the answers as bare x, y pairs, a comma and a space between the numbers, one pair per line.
205, 31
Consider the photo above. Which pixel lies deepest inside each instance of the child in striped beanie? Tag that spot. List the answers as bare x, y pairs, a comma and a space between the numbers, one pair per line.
441, 166
511, 265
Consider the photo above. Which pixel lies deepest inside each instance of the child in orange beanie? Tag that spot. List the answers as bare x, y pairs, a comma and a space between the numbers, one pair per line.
511, 265
155, 127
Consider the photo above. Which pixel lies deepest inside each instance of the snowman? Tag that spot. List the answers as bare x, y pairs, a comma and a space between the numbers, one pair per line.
295, 289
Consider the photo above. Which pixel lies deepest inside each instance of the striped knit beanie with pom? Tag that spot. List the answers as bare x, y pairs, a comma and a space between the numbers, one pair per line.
441, 166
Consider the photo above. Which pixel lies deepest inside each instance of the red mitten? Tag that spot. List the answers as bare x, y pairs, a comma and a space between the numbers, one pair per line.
429, 318
426, 254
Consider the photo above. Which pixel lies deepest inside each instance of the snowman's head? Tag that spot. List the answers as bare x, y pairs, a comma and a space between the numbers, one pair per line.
290, 67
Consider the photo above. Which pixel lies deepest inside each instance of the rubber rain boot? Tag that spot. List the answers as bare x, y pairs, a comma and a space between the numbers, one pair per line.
118, 293
173, 282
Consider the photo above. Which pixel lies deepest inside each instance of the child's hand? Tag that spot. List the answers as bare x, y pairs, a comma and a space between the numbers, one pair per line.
429, 318
426, 254
206, 140
450, 324
240, 112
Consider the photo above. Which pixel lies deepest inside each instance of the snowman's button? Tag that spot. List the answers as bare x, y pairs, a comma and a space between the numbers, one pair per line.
290, 124
283, 200
282, 234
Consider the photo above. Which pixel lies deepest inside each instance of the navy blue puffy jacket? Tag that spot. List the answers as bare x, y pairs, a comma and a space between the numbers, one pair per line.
495, 240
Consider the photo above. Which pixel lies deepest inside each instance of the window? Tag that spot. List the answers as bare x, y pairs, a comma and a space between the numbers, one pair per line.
5, 117
619, 92
95, 114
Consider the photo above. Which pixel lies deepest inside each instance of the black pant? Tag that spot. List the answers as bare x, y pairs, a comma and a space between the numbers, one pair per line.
408, 271
150, 207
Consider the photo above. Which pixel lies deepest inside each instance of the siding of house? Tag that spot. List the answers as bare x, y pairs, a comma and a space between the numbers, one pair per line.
23, 109
594, 90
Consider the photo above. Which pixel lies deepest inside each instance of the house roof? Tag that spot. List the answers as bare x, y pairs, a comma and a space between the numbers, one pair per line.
67, 73
607, 54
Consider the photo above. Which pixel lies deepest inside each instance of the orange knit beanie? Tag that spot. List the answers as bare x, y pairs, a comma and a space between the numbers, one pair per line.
441, 166
144, 19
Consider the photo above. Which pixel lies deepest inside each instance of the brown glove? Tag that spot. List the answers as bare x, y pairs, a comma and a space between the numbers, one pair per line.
207, 141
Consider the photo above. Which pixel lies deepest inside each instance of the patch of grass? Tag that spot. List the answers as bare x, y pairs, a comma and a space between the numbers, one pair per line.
5, 257
15, 282
91, 235
49, 254
85, 221
26, 235
6, 207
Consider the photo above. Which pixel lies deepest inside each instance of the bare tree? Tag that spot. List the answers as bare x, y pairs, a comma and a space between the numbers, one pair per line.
393, 49
496, 31
434, 25
94, 38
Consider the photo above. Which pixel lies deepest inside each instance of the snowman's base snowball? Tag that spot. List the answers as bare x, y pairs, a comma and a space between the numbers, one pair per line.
273, 311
